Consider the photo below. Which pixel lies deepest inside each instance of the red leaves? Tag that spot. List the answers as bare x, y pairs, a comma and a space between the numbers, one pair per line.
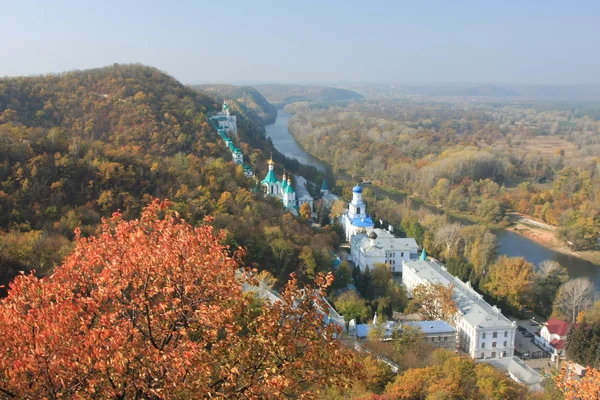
153, 306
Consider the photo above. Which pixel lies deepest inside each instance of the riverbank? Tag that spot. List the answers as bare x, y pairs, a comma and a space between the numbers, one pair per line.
455, 214
538, 234
510, 243
548, 239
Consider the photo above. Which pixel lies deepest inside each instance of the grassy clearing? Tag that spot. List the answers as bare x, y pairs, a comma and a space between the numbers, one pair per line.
545, 145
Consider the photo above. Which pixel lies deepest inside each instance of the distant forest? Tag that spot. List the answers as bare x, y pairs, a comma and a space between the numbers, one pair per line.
564, 93
280, 95
260, 111
76, 147
472, 157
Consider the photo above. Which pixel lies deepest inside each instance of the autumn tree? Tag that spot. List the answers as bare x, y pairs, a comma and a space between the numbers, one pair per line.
548, 278
433, 301
337, 209
343, 275
573, 296
511, 280
480, 247
154, 308
449, 239
351, 306
454, 377
305, 211
576, 388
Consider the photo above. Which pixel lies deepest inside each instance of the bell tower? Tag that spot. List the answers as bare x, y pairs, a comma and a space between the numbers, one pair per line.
357, 208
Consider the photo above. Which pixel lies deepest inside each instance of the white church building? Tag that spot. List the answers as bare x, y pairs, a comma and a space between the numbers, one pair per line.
356, 220
482, 329
281, 189
381, 246
226, 124
225, 120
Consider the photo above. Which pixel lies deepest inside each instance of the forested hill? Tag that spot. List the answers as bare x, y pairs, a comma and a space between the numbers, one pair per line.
79, 146
256, 106
281, 95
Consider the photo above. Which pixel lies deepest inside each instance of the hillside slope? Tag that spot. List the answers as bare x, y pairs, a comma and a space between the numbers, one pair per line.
79, 146
281, 95
257, 107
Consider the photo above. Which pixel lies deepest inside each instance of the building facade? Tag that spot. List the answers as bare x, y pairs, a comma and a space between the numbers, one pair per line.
380, 246
483, 331
436, 333
553, 336
226, 125
282, 190
225, 120
302, 194
355, 219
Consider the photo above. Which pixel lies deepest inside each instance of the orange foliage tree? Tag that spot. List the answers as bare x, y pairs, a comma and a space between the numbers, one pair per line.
434, 301
574, 388
154, 308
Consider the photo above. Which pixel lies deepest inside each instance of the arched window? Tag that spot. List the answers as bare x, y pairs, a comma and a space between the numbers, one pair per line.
272, 188
358, 210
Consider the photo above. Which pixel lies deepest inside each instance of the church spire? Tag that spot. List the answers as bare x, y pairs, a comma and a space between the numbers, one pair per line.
423, 255
324, 187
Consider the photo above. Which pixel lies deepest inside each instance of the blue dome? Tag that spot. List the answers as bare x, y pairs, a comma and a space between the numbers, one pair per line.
357, 189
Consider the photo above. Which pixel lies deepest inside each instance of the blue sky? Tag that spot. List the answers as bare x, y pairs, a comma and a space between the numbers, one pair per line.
308, 41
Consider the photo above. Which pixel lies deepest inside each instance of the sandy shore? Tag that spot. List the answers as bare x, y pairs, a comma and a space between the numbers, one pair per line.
547, 238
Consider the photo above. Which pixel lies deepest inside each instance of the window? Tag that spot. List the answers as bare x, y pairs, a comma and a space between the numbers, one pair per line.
483, 335
445, 338
504, 354
493, 354
401, 254
493, 344
482, 355
483, 345
505, 343
358, 210
495, 334
506, 334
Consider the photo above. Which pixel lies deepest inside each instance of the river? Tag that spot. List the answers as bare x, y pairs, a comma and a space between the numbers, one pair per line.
510, 243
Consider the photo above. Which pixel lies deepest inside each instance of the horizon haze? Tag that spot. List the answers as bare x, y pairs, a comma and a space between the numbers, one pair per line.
313, 42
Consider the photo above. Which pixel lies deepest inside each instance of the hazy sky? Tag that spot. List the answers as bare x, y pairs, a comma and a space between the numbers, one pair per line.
302, 41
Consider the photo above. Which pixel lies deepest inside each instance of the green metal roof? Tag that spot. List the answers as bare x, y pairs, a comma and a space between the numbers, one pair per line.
289, 189
283, 184
423, 255
324, 185
270, 178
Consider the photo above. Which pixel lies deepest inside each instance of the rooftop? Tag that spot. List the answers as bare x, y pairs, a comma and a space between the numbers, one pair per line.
362, 222
270, 178
517, 369
384, 241
471, 305
558, 344
431, 326
301, 191
558, 327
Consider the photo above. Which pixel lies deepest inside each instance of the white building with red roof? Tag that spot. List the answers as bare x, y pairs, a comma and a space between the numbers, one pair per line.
554, 335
